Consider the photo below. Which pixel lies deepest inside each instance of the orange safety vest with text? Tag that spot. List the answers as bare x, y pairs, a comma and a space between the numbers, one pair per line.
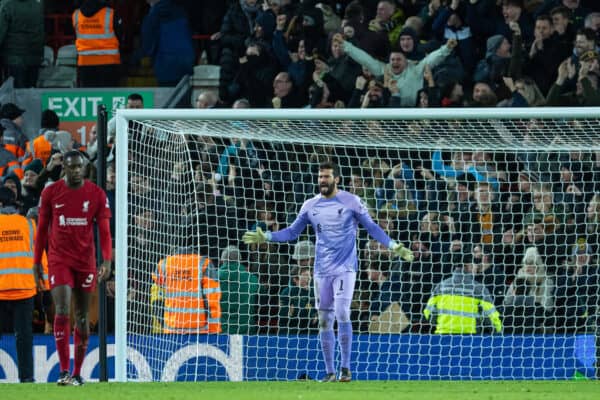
16, 257
96, 41
192, 295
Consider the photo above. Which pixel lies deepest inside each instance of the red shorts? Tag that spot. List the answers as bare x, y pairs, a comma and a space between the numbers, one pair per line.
81, 279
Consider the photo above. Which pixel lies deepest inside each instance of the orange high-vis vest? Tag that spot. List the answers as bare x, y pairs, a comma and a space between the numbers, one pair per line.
96, 41
16, 257
40, 148
192, 298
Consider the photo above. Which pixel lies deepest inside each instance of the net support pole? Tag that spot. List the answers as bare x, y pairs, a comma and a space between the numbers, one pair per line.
101, 129
121, 250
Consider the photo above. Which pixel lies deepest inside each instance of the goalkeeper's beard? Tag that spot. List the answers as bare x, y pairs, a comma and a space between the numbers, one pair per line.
327, 189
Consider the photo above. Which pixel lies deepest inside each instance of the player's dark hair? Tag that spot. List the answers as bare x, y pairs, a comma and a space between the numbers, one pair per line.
330, 165
135, 97
72, 154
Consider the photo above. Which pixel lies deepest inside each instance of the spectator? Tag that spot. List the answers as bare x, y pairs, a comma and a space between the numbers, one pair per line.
29, 191
576, 10
189, 281
17, 283
286, 95
541, 284
565, 31
97, 28
450, 23
407, 76
207, 99
237, 26
499, 61
13, 182
21, 41
461, 305
577, 290
522, 315
592, 21
134, 101
586, 91
40, 147
297, 313
167, 39
525, 93
544, 54
385, 312
388, 20
239, 294
483, 95
255, 75
11, 119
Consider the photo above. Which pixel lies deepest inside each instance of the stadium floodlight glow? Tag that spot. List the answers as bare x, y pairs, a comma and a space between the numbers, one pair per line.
499, 180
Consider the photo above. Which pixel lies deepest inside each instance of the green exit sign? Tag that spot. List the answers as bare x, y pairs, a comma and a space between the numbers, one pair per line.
83, 105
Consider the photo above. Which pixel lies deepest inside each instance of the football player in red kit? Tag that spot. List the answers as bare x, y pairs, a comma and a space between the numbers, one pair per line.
68, 209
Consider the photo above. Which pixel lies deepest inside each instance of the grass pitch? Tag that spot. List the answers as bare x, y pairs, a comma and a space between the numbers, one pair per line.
357, 390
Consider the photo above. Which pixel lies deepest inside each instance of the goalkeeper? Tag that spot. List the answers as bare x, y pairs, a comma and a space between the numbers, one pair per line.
334, 215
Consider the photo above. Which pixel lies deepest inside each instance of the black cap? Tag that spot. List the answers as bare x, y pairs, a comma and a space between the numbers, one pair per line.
10, 111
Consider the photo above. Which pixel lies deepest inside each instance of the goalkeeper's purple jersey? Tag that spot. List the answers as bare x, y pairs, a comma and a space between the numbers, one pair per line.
335, 222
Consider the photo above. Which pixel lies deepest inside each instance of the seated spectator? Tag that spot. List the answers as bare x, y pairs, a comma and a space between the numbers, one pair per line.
239, 294
255, 76
461, 305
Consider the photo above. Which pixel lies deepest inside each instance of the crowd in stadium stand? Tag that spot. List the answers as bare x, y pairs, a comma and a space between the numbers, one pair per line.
524, 224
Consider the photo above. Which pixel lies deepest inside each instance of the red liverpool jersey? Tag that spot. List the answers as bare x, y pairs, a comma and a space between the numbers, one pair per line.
71, 214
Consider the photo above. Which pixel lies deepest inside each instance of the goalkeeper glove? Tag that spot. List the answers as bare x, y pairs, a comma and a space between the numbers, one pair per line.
256, 237
400, 251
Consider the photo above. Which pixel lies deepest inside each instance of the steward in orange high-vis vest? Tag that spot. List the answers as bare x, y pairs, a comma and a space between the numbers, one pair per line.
17, 282
96, 41
192, 294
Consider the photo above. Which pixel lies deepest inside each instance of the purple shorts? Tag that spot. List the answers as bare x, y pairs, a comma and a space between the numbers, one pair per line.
329, 288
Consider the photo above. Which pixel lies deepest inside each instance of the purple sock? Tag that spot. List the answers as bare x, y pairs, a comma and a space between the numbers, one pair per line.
345, 341
328, 349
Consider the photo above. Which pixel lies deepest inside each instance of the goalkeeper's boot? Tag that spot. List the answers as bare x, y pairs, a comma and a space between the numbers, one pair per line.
329, 378
64, 378
346, 375
77, 380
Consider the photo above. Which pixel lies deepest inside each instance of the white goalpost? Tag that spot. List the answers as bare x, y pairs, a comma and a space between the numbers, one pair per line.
500, 206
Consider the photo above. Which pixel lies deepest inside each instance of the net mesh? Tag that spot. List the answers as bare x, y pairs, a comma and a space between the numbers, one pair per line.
501, 215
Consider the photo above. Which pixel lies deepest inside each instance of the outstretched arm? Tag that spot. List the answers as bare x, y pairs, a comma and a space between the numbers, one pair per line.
379, 234
285, 235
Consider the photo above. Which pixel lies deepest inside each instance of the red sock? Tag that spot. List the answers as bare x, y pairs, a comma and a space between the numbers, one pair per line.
81, 344
62, 335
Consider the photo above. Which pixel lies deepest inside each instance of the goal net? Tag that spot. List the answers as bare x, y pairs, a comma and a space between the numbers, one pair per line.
501, 208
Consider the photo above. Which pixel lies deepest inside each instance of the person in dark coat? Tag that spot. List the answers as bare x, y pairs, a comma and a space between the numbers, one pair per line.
21, 40
167, 38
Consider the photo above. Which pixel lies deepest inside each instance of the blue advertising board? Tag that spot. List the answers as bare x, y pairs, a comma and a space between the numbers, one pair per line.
376, 357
